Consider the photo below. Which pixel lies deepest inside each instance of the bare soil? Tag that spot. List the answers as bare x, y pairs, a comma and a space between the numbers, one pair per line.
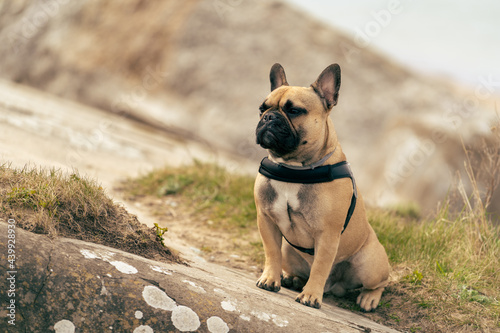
194, 234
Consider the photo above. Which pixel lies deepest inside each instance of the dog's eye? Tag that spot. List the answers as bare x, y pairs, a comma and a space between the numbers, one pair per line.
295, 111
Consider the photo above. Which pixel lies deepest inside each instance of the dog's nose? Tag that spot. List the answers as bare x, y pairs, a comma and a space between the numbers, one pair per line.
269, 117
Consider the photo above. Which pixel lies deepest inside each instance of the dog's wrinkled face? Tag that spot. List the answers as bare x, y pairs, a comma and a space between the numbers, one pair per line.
290, 119
293, 119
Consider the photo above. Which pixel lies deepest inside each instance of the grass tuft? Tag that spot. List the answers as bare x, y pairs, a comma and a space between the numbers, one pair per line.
50, 202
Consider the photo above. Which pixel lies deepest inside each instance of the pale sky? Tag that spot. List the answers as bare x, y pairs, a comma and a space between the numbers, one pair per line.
459, 39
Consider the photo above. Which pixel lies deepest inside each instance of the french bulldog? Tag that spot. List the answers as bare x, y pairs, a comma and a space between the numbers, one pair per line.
315, 240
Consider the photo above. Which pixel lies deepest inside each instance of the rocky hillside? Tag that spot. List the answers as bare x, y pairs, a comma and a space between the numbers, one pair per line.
199, 69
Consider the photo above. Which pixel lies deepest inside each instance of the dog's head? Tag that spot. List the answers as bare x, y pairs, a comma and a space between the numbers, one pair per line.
293, 119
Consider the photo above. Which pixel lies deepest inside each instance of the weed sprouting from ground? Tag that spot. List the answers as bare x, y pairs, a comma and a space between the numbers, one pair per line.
159, 234
56, 204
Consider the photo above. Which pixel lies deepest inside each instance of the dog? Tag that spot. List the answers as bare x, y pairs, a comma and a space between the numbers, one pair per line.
313, 226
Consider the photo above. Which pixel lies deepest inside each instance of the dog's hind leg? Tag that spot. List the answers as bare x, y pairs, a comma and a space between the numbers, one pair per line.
340, 280
371, 269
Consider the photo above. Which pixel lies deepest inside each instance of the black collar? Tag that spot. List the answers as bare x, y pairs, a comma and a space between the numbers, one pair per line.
320, 174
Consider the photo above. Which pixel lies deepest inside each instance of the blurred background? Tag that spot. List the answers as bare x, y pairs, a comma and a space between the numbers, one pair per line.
115, 88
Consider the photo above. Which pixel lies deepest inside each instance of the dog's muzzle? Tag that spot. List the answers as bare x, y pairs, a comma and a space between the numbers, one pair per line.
275, 133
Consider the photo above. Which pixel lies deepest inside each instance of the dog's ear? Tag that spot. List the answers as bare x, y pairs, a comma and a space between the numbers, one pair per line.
277, 77
327, 85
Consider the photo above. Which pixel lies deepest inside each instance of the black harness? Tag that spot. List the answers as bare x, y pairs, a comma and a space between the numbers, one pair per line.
313, 175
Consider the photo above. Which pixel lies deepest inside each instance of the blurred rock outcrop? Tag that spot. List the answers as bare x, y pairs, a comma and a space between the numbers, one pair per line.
199, 69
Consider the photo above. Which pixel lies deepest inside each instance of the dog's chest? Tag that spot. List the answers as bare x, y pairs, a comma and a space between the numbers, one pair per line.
290, 210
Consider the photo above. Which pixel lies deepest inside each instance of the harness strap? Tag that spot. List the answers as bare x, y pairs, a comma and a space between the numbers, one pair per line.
321, 174
301, 249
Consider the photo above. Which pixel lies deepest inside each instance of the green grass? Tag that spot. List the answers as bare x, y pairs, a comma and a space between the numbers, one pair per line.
445, 276
69, 205
446, 265
453, 249
226, 198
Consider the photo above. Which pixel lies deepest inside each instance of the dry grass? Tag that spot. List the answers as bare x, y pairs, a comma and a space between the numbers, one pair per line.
445, 273
446, 269
52, 203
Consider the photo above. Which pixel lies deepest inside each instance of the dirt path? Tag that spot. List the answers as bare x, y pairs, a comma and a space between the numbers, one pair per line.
192, 235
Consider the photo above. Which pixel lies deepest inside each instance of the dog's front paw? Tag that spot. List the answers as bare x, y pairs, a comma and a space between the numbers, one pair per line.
310, 299
269, 283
